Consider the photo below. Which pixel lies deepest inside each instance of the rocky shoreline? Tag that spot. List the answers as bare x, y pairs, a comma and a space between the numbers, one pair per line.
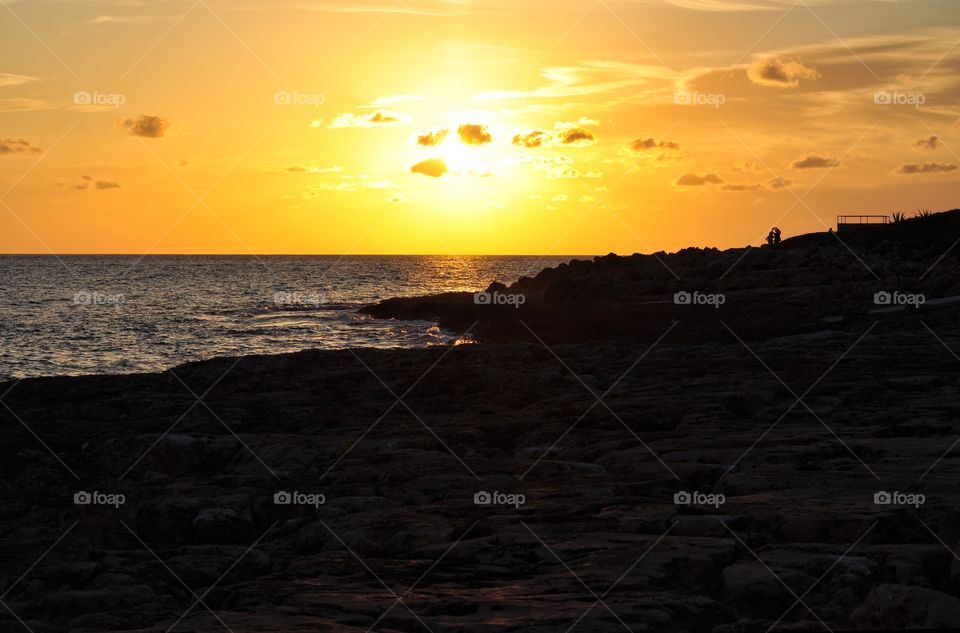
680, 467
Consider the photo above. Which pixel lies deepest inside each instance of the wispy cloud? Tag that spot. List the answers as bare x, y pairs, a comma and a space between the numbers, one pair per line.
926, 168
378, 118
10, 79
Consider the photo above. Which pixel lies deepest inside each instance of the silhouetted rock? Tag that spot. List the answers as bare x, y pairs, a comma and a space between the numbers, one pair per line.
790, 289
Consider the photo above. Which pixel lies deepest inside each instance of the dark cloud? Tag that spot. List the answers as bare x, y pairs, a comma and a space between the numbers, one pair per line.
474, 134
536, 138
693, 180
431, 139
100, 185
576, 135
932, 142
779, 183
145, 126
814, 161
433, 167
645, 144
17, 146
775, 72
926, 168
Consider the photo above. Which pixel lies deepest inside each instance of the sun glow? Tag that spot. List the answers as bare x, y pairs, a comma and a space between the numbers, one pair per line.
466, 160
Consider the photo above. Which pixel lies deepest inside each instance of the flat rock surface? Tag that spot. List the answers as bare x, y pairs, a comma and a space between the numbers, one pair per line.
781, 444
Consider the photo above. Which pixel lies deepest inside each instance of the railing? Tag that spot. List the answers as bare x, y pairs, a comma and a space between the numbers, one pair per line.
863, 219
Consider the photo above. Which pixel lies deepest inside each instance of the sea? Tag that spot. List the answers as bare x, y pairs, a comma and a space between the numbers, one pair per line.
90, 314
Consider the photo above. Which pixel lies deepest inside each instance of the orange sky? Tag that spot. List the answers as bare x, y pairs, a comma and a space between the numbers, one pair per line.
462, 126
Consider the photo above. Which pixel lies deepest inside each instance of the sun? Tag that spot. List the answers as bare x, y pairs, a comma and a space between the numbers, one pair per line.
465, 160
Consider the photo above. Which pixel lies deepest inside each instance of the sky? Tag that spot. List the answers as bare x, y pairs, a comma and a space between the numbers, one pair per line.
467, 126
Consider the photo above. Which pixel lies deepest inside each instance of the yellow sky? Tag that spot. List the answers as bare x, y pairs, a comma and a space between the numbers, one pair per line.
462, 126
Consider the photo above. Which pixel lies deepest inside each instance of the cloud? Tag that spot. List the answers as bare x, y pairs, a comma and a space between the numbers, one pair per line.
779, 183
536, 138
693, 180
926, 168
376, 118
9, 79
474, 134
588, 78
741, 187
772, 71
576, 136
145, 126
644, 144
432, 138
100, 185
570, 134
300, 169
559, 167
932, 142
125, 19
813, 161
24, 104
17, 146
433, 167
85, 182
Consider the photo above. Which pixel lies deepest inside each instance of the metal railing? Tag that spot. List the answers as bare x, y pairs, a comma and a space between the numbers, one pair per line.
863, 219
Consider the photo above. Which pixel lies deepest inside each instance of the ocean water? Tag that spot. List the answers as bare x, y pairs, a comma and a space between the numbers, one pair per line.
73, 315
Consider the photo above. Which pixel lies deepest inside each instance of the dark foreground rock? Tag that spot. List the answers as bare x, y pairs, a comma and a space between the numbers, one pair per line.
403, 443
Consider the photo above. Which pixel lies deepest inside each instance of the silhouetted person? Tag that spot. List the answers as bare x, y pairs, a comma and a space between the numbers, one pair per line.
773, 237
